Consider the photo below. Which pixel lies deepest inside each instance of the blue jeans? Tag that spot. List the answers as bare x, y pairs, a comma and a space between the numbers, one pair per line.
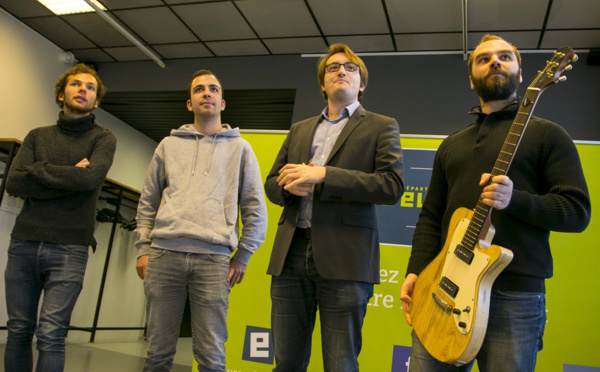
512, 340
33, 267
296, 295
170, 277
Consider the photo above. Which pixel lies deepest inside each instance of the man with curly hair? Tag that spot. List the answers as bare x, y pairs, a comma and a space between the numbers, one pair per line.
59, 171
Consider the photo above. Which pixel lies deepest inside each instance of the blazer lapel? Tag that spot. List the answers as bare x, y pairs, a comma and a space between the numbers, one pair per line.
354, 120
307, 139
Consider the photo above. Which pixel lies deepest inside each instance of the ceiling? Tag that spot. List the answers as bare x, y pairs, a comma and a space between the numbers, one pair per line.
176, 29
156, 113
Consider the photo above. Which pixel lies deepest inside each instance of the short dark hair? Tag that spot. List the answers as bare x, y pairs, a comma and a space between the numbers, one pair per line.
80, 68
200, 73
488, 38
342, 48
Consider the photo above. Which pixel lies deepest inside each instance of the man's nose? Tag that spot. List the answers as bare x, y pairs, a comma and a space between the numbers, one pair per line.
494, 60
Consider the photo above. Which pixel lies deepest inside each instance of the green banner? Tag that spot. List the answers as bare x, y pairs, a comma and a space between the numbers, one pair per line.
572, 331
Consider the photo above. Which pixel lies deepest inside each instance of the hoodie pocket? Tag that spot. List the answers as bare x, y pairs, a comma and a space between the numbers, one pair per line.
202, 219
212, 213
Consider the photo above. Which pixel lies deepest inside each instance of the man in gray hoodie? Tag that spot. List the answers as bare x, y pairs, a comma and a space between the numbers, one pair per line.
199, 181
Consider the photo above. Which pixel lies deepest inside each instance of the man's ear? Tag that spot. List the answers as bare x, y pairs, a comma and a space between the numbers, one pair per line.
520, 75
471, 82
189, 105
222, 105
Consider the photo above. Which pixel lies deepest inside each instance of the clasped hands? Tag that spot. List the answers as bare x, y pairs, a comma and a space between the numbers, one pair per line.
299, 179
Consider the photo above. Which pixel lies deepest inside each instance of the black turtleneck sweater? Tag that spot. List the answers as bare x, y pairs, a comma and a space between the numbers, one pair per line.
549, 194
60, 198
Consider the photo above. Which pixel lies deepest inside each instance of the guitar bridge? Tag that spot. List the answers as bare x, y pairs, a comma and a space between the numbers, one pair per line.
441, 303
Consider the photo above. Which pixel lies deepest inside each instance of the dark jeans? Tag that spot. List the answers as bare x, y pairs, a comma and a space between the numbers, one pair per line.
296, 295
33, 267
512, 340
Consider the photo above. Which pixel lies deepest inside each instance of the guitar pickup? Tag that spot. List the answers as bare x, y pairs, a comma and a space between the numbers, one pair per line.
464, 254
449, 287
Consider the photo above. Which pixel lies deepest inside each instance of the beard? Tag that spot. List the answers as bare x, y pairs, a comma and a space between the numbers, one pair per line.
78, 109
496, 89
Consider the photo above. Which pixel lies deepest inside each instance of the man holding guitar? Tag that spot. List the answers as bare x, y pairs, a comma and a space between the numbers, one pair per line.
545, 190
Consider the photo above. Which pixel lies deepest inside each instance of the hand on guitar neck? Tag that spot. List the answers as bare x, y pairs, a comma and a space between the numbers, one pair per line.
498, 192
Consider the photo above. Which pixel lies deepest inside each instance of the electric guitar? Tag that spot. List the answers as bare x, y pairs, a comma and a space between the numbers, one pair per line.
451, 296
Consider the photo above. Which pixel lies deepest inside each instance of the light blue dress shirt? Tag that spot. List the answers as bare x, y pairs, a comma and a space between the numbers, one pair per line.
325, 136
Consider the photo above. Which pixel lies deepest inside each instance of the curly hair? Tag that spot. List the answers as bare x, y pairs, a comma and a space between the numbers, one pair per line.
79, 68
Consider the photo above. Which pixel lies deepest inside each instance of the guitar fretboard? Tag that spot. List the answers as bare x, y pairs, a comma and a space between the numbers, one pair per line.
502, 164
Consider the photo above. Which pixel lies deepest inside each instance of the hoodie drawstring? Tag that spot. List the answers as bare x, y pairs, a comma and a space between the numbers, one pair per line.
212, 149
189, 130
195, 156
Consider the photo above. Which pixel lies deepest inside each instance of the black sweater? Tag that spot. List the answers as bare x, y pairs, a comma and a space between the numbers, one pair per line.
60, 198
549, 194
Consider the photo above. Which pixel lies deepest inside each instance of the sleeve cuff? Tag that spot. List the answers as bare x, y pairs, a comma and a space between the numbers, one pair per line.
242, 256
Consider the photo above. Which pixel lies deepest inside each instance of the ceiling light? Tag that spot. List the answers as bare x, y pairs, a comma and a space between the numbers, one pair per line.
101, 12
61, 7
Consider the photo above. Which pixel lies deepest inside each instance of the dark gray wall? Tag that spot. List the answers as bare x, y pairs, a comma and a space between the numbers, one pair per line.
427, 94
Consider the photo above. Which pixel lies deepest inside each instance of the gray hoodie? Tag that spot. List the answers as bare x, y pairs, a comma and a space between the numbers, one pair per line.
194, 188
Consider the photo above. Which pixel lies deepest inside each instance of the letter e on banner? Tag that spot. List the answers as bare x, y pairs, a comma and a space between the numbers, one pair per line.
258, 346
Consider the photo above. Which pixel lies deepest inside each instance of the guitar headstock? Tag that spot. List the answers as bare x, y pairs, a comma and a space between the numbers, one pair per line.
552, 73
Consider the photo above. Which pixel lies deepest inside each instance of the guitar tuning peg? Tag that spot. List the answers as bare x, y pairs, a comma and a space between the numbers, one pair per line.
562, 78
574, 58
568, 67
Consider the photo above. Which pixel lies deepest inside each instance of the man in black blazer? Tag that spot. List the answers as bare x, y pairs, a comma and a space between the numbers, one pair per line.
330, 173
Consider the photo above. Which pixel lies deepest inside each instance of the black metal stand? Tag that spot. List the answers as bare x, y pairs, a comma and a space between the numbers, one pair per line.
121, 192
9, 147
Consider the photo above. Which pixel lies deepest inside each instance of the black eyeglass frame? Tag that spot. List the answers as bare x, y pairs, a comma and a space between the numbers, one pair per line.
329, 67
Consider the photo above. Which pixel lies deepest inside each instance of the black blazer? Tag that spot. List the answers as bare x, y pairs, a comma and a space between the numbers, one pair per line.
363, 169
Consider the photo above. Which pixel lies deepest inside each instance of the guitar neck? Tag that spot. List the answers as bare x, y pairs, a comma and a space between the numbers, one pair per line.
477, 226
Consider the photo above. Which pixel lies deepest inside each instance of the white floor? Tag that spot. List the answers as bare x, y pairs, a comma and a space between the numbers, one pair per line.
115, 357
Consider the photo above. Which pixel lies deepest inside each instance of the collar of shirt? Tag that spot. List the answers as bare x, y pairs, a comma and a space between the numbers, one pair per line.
345, 114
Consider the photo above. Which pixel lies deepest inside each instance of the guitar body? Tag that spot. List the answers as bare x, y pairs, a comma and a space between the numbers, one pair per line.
451, 298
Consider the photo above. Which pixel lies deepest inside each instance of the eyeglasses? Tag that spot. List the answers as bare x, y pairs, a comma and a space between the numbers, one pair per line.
348, 66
